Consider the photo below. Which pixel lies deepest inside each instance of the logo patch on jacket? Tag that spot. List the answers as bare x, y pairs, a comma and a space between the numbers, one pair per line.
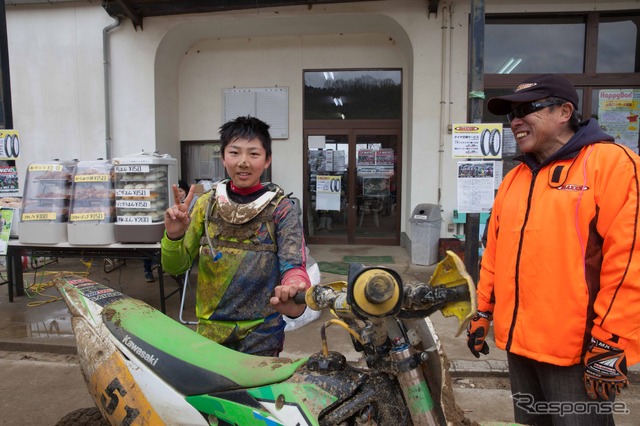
573, 187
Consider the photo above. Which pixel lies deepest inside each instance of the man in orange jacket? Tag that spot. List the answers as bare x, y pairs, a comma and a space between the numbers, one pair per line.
560, 276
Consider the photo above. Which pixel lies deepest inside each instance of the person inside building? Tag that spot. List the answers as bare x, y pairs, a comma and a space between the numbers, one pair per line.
251, 248
147, 264
183, 190
560, 272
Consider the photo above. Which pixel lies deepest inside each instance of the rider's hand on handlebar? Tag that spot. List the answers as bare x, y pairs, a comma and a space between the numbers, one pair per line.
283, 302
293, 282
477, 332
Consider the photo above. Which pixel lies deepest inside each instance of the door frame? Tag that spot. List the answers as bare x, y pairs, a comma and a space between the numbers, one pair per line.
352, 128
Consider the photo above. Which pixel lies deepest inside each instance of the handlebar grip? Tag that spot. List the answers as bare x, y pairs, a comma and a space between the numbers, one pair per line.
299, 298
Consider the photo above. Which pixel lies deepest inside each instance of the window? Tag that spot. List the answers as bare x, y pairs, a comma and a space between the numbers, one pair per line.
352, 95
599, 52
526, 46
618, 44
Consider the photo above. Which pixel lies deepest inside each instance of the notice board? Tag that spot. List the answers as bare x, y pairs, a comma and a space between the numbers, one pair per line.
269, 104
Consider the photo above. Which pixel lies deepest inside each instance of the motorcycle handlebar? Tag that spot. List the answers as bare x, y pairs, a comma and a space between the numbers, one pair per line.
299, 298
419, 299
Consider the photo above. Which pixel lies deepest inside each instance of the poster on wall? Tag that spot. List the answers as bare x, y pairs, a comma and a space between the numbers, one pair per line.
328, 192
476, 186
618, 112
9, 144
477, 140
9, 181
6, 216
509, 145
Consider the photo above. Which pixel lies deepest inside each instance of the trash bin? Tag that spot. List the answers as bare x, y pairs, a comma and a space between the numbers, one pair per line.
426, 221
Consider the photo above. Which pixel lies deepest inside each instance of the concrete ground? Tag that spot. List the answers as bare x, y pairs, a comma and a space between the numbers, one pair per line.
40, 380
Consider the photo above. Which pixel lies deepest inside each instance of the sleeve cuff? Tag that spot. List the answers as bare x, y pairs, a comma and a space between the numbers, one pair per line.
609, 338
167, 238
296, 275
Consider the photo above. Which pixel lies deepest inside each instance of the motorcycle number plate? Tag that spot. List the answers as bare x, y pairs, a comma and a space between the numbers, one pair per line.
117, 395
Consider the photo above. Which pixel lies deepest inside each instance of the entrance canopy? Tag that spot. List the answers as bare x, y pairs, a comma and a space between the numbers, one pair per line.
136, 10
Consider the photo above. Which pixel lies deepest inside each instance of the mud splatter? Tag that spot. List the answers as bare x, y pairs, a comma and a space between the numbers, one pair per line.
108, 314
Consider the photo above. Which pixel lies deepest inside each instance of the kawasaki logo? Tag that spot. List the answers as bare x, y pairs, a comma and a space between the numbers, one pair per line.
150, 358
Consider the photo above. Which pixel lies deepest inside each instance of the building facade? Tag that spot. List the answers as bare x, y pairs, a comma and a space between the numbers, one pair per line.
85, 86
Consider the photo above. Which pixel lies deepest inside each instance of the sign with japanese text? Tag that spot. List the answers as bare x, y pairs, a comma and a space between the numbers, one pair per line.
618, 112
477, 140
328, 189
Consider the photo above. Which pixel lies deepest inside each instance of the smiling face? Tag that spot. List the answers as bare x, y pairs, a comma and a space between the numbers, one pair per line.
182, 193
245, 160
543, 132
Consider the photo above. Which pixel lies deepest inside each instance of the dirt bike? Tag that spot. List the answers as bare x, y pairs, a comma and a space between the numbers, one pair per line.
142, 367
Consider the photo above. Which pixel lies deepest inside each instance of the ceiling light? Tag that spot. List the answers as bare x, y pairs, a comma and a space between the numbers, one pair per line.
328, 75
509, 66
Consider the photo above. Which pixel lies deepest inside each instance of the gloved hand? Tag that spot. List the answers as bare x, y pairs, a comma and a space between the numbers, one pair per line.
477, 332
605, 369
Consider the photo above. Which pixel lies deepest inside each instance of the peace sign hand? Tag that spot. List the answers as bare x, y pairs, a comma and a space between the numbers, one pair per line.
176, 217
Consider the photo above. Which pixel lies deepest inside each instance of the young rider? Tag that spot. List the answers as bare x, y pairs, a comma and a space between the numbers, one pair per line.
250, 244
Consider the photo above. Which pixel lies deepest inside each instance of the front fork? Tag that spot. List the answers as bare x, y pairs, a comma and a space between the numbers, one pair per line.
414, 385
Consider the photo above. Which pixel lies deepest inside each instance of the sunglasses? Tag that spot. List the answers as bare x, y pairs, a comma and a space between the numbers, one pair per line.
529, 108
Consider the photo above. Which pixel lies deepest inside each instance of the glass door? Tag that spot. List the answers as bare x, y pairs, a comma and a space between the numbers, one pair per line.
327, 187
352, 186
376, 186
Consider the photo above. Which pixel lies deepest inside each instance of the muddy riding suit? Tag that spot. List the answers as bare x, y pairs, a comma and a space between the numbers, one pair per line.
562, 261
246, 244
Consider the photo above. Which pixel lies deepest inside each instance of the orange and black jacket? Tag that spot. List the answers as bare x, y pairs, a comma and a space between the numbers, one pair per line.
562, 260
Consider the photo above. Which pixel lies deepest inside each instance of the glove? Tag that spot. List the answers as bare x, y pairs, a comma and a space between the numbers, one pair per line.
605, 370
477, 332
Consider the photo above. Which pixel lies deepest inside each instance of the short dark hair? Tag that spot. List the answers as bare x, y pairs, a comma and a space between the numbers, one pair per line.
574, 121
246, 127
183, 185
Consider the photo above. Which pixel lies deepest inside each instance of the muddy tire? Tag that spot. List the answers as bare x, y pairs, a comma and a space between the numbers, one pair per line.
83, 417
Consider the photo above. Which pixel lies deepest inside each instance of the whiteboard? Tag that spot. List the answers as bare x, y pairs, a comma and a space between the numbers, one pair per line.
269, 104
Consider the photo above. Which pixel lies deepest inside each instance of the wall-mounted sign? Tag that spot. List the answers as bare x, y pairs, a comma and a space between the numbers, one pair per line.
269, 104
9, 144
477, 140
618, 111
476, 186
328, 189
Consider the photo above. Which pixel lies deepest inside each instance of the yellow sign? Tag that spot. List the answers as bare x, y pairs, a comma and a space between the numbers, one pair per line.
91, 178
45, 167
477, 140
9, 144
86, 216
38, 216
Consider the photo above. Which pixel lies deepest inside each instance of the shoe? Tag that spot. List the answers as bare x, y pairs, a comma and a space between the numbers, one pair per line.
148, 276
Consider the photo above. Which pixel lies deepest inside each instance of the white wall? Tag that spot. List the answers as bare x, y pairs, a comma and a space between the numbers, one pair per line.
55, 58
167, 78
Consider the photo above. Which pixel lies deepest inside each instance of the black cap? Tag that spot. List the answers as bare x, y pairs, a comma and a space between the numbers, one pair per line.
534, 88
